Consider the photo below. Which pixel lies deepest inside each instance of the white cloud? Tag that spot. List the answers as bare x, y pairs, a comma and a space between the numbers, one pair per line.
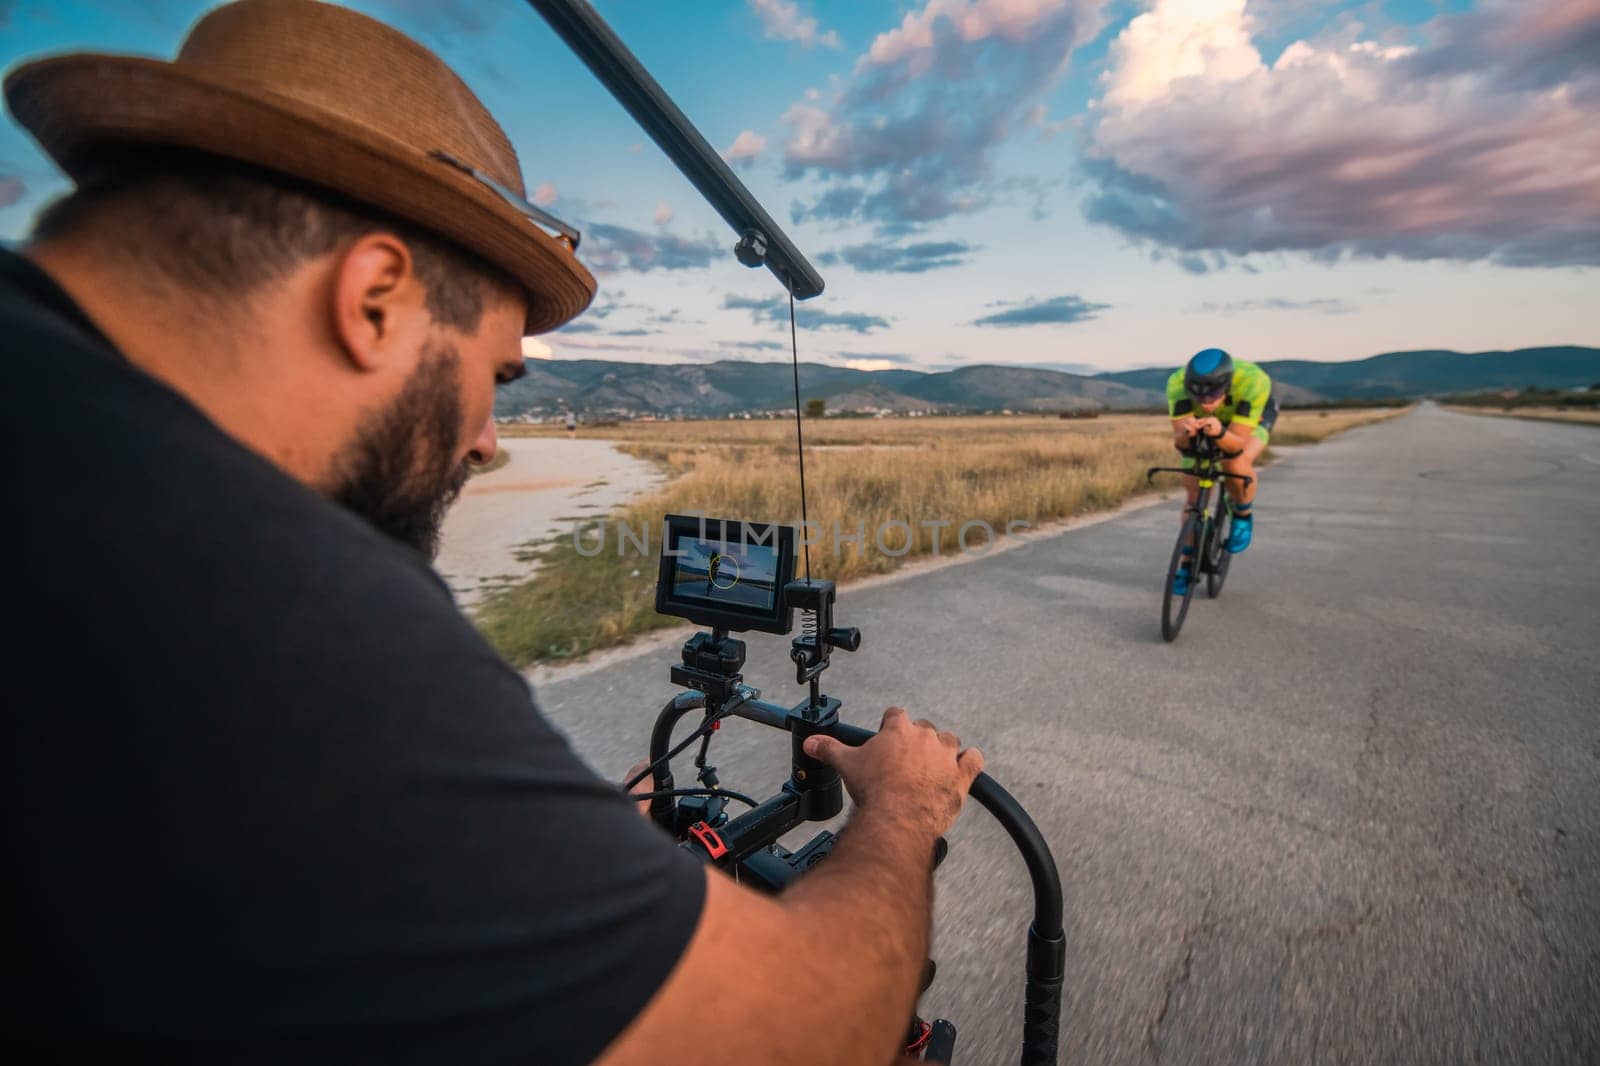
663, 213
610, 248
745, 147
915, 43
1207, 39
545, 194
1480, 142
534, 348
909, 137
870, 364
782, 20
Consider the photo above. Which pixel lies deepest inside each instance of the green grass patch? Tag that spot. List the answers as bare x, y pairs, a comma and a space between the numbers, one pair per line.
575, 604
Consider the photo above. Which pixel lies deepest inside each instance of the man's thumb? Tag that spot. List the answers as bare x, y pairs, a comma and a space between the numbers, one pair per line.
824, 749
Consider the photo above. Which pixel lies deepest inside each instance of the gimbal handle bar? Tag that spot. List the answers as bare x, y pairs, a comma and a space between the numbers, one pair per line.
1047, 943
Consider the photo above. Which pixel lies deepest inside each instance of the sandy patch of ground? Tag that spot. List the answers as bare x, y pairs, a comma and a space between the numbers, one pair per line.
540, 493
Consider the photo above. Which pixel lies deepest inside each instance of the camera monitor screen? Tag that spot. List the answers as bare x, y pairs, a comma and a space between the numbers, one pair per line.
726, 573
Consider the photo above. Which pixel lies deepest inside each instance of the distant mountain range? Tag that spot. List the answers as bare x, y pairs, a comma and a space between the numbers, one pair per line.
1424, 373
595, 386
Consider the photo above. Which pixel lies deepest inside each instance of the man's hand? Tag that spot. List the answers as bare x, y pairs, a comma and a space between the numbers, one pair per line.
644, 787
1211, 427
777, 1004
909, 766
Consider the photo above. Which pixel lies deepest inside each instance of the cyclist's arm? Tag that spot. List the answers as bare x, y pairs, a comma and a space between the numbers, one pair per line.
1238, 433
827, 972
1180, 408
1250, 403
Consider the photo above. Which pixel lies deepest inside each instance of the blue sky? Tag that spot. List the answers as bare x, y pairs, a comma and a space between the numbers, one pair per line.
1071, 183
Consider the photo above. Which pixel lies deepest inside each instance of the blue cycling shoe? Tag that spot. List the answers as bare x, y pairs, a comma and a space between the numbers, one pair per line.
1239, 533
1180, 580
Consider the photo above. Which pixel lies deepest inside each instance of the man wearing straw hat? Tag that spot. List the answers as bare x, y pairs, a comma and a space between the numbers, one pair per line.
270, 797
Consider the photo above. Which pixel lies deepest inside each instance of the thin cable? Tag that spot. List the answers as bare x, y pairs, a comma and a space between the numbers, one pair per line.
706, 726
799, 437
640, 797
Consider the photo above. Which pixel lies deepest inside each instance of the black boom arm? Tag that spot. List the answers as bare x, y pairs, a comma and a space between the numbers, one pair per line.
761, 240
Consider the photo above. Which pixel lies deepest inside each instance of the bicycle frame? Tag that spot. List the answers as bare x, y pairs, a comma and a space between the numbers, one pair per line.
1208, 469
1198, 534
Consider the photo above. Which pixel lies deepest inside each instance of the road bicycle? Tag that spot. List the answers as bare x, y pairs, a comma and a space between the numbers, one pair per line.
1204, 533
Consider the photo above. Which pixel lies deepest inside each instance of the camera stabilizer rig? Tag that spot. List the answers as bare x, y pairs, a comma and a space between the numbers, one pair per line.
713, 577
707, 580
711, 668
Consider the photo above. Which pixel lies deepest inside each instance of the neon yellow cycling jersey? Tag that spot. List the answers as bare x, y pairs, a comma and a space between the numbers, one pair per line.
1244, 405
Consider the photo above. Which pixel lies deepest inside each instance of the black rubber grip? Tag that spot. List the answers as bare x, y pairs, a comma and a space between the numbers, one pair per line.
1041, 1022
1041, 1003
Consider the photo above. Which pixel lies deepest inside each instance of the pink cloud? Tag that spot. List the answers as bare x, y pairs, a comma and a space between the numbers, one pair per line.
1479, 143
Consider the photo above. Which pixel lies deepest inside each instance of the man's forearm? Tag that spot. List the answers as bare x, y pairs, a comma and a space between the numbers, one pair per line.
870, 906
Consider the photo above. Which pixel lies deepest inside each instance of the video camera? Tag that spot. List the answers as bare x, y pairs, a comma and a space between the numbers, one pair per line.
726, 574
735, 576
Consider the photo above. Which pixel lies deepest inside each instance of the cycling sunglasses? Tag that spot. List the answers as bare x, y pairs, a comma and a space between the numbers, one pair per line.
1214, 394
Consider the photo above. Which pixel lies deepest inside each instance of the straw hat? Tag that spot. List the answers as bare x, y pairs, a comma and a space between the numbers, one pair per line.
326, 95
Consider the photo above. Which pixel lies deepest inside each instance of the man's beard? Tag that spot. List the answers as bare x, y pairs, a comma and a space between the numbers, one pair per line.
399, 472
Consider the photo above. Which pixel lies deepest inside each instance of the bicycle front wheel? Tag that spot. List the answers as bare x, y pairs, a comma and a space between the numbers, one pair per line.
1218, 555
1175, 606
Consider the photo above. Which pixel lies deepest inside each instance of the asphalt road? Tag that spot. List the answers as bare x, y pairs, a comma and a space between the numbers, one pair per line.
1352, 815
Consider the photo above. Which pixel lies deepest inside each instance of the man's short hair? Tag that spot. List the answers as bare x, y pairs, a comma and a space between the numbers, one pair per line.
219, 228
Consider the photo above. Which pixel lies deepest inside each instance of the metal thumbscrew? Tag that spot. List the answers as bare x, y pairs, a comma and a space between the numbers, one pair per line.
752, 248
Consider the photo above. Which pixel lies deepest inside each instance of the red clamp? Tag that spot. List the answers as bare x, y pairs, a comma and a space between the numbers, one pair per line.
708, 838
922, 1033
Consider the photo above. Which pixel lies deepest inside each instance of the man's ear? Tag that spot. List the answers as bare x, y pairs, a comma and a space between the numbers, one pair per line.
379, 305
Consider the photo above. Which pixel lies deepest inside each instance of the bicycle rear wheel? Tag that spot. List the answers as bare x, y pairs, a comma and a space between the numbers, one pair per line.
1175, 607
1217, 554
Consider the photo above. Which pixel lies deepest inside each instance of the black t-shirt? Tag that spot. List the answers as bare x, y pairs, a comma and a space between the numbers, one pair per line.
268, 796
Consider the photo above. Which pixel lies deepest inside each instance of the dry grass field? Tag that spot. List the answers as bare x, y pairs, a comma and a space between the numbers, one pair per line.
919, 480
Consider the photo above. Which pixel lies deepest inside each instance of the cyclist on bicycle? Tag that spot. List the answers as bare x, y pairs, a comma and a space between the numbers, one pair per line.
1230, 402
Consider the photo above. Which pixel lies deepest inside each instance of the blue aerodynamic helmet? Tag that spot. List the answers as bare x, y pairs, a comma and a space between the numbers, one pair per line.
1208, 373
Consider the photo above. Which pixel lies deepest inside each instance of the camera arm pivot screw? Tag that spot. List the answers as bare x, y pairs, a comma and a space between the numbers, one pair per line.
752, 248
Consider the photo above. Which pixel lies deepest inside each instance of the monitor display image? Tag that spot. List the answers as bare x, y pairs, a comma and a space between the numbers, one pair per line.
726, 573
